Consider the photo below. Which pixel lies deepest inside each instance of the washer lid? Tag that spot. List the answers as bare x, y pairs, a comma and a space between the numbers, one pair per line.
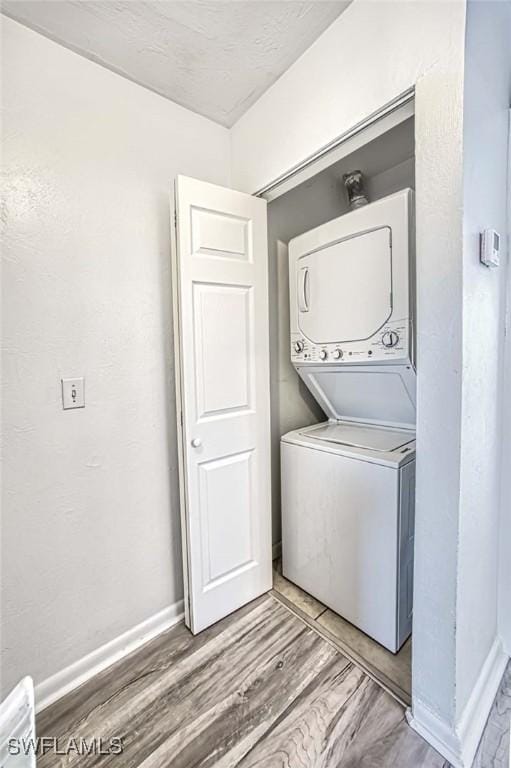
359, 436
367, 394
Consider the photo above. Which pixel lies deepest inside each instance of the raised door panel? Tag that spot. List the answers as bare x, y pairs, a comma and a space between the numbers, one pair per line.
223, 353
220, 235
226, 510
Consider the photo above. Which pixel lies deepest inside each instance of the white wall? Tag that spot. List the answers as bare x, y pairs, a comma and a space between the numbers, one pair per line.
90, 538
505, 523
373, 52
439, 243
487, 99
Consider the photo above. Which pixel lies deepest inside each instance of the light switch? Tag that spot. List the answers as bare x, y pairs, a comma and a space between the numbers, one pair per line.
73, 393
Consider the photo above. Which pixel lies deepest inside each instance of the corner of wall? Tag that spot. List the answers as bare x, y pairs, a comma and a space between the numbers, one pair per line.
436, 731
472, 720
458, 741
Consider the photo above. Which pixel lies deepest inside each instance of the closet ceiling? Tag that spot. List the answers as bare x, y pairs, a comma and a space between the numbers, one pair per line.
215, 58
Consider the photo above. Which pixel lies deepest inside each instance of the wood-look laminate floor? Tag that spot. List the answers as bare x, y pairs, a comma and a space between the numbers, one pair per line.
392, 670
259, 689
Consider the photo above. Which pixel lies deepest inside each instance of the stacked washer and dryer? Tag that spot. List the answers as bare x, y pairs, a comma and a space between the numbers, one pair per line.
348, 484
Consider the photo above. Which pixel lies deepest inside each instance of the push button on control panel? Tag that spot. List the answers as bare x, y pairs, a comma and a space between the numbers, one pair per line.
390, 339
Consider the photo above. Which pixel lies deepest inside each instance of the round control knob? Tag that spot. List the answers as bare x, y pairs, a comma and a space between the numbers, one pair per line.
196, 442
323, 354
389, 339
298, 346
337, 354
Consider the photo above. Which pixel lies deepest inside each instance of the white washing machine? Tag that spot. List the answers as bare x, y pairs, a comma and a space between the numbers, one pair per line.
348, 485
347, 523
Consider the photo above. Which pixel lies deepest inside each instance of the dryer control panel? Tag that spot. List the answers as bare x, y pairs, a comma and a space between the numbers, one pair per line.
350, 287
390, 344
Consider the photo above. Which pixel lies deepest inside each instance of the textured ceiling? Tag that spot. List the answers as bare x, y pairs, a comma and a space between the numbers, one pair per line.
215, 58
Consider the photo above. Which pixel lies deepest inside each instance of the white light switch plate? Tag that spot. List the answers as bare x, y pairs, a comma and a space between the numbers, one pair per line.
73, 393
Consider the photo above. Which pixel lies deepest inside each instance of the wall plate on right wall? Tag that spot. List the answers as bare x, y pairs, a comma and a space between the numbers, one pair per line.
490, 248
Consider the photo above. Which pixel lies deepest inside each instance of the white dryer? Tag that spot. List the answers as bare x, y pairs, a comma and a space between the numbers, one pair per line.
348, 485
351, 311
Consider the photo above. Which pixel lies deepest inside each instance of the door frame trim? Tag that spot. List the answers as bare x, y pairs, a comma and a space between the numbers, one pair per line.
178, 372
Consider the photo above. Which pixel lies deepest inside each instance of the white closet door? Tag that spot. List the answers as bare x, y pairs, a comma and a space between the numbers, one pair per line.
222, 355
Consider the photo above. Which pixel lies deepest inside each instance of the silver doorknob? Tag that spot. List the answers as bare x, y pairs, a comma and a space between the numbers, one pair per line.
196, 442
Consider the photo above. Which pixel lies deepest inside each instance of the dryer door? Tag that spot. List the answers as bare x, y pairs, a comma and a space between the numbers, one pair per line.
344, 290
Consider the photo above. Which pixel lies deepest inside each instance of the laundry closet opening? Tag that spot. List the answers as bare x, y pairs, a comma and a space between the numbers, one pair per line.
347, 488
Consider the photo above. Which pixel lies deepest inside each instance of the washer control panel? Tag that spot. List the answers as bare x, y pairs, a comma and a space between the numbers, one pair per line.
391, 343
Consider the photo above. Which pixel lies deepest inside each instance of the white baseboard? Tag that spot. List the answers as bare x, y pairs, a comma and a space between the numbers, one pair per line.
276, 550
53, 688
473, 719
435, 731
458, 743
